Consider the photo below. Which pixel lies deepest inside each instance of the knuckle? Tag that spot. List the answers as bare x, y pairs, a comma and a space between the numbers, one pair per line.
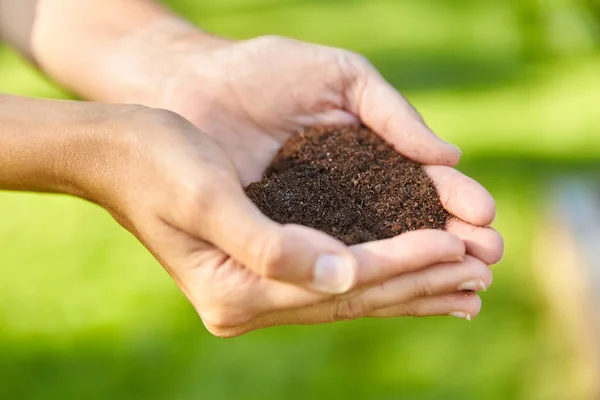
196, 195
345, 309
422, 288
195, 200
270, 251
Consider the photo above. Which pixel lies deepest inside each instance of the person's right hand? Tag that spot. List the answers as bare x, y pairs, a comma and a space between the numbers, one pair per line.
171, 186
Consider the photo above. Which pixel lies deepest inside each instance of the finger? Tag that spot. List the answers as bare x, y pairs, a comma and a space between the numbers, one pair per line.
384, 110
288, 253
447, 278
465, 305
377, 261
483, 243
417, 267
470, 274
462, 196
380, 260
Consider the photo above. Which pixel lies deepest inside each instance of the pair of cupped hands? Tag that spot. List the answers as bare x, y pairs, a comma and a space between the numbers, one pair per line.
215, 118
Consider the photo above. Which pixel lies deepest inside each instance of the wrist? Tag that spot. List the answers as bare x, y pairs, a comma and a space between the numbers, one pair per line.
112, 51
107, 50
143, 68
58, 146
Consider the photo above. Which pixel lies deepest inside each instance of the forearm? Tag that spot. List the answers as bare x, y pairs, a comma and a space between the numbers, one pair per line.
50, 145
100, 49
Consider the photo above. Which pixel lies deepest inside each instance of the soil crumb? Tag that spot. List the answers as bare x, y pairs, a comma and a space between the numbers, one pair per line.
349, 183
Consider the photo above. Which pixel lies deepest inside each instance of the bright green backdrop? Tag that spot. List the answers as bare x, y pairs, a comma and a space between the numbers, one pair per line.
85, 312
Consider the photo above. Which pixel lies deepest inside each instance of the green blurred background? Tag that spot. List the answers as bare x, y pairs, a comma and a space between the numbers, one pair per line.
85, 312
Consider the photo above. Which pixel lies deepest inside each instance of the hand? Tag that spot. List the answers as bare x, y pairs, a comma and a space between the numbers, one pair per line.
172, 187
250, 96
159, 175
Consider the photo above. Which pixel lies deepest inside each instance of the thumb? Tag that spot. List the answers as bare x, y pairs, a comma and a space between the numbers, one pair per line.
289, 253
389, 114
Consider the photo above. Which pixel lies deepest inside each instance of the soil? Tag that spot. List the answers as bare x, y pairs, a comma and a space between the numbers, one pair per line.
349, 183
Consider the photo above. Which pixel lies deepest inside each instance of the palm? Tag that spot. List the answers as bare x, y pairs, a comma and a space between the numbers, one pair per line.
259, 108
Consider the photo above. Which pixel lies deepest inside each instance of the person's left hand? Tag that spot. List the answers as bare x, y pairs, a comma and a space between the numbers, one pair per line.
251, 96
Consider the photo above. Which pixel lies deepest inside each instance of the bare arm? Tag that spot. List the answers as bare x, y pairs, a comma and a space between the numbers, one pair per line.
158, 174
95, 47
47, 145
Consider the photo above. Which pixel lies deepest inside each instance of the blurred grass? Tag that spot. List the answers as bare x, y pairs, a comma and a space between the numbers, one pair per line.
86, 312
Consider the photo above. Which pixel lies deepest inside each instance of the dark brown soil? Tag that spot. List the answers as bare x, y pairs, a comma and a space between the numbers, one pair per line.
348, 183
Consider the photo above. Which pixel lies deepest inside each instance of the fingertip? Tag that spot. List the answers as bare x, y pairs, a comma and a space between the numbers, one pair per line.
419, 143
485, 214
453, 158
484, 243
462, 196
410, 251
497, 245
329, 266
451, 154
383, 109
467, 305
438, 151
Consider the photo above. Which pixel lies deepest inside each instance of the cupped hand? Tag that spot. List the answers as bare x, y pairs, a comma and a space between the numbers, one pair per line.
176, 190
251, 96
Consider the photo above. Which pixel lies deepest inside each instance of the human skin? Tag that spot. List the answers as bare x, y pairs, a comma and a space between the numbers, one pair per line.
179, 190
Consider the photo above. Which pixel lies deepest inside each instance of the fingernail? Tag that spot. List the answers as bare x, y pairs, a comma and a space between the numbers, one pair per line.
462, 315
475, 286
334, 274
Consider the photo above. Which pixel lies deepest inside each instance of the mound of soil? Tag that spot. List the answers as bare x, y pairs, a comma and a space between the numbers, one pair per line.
349, 183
